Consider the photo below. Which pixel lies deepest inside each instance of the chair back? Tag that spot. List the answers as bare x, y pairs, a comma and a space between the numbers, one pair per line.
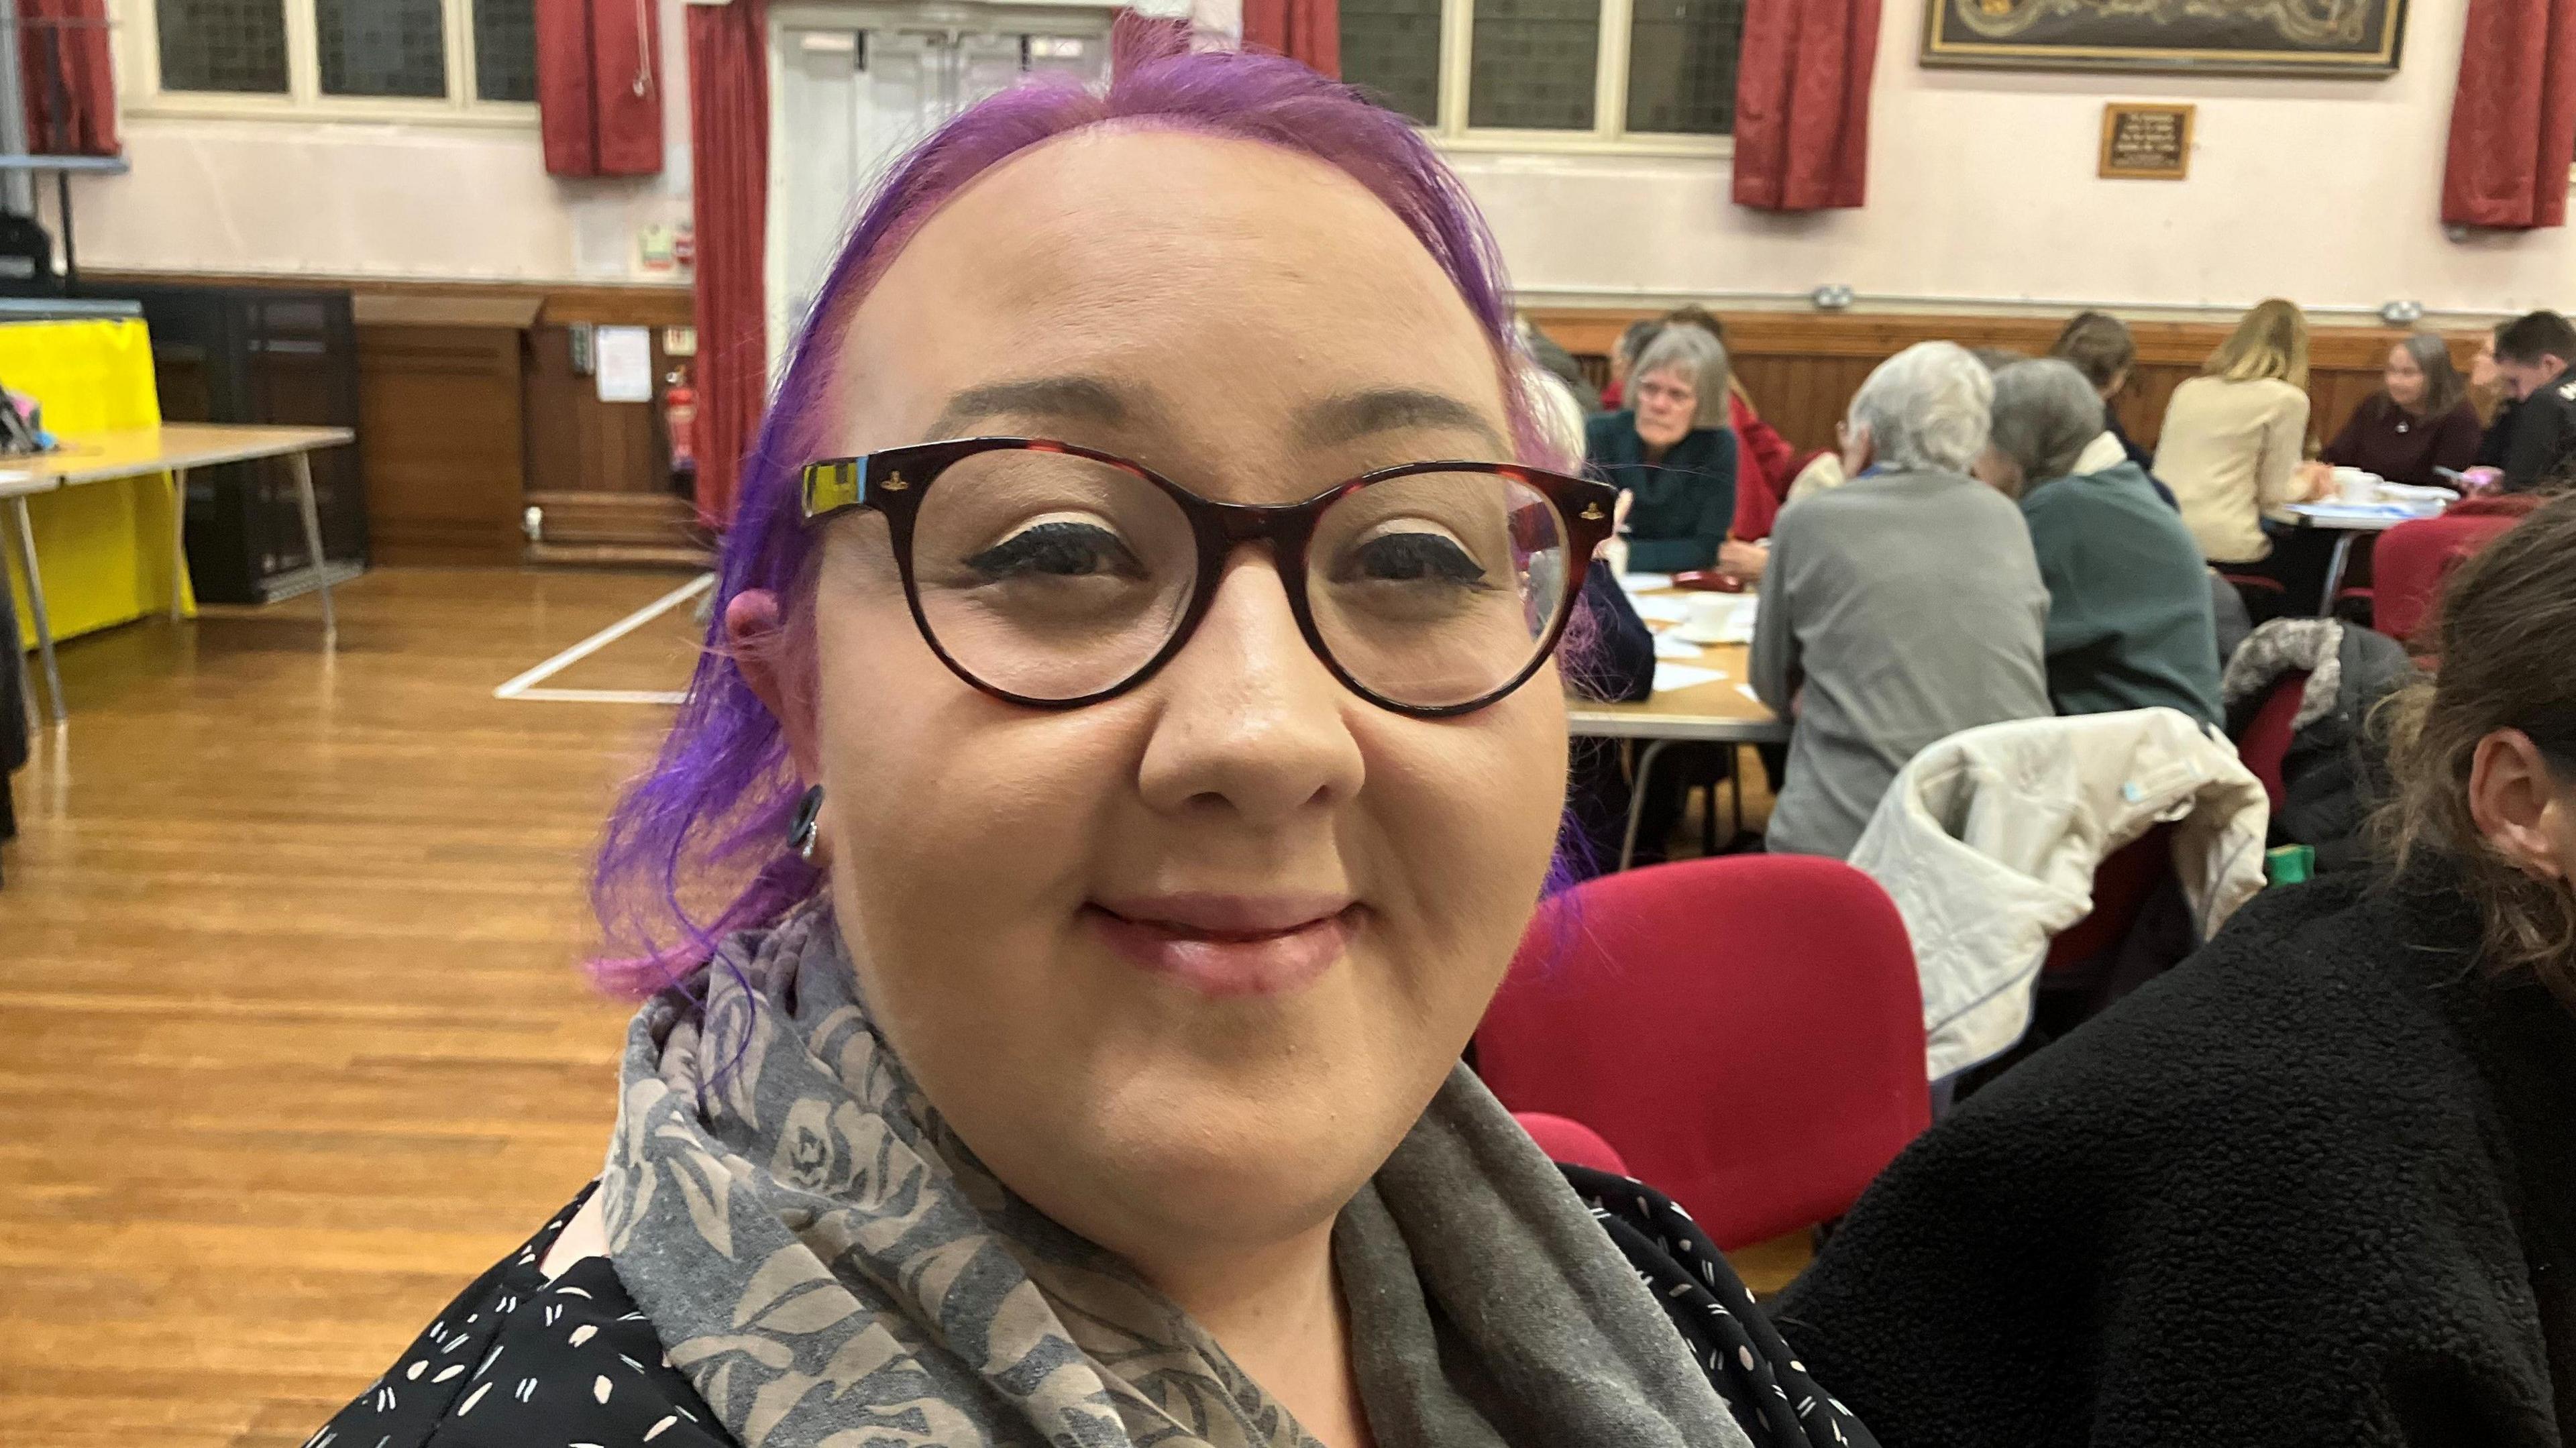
1747, 1032
2121, 885
1572, 1142
2415, 559
2265, 744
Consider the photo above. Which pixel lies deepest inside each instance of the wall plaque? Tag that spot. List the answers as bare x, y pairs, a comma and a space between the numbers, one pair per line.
2146, 143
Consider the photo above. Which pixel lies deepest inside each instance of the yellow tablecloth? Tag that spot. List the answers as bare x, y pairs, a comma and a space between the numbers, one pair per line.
104, 547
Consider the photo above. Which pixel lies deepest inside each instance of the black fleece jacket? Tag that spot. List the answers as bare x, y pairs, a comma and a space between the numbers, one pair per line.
2315, 1186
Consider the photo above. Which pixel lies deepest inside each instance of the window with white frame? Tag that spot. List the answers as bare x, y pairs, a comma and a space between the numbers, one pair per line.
426, 58
1551, 73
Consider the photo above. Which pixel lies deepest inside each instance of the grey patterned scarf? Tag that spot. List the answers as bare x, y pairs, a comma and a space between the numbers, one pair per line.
831, 1266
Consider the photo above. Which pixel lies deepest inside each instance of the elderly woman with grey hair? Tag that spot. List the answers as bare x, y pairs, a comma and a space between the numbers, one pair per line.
1671, 451
2130, 624
1900, 608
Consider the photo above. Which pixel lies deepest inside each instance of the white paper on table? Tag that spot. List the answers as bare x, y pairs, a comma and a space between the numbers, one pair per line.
1663, 608
1669, 647
622, 359
1669, 677
1747, 691
1645, 582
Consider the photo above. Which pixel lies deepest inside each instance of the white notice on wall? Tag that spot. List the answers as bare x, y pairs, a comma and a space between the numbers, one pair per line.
622, 357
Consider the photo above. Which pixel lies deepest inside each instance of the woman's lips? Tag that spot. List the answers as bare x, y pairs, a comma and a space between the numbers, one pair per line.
1229, 945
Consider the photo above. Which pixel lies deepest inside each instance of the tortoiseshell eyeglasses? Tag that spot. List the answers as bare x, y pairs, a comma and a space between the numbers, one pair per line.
1055, 576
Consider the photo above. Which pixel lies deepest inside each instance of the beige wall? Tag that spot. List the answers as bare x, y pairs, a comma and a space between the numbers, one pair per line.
1983, 191
367, 199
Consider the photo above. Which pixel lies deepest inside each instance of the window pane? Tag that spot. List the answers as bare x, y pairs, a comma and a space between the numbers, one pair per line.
1681, 66
381, 47
1391, 49
505, 50
223, 45
1533, 64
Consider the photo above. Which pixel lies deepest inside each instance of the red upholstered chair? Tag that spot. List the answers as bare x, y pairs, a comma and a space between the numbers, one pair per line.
1746, 1031
1571, 1142
2121, 885
2266, 740
2415, 559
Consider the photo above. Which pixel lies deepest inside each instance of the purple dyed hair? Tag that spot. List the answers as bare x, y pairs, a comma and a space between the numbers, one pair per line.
710, 817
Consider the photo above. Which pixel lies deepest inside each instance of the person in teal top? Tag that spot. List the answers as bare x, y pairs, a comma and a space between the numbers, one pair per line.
2129, 613
1672, 452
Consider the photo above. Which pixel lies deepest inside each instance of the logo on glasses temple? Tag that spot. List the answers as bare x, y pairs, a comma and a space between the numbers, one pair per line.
1592, 512
894, 483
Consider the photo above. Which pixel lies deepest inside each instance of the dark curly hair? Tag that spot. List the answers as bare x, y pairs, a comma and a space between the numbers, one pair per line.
2507, 636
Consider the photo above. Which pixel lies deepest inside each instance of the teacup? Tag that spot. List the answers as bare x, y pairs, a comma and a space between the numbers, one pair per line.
2353, 485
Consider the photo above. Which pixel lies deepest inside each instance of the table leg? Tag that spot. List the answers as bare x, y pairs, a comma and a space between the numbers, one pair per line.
178, 539
26, 531
2334, 572
1637, 799
303, 465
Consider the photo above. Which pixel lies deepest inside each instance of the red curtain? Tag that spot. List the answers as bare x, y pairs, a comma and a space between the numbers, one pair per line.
2513, 123
70, 84
1306, 30
599, 87
729, 148
1802, 103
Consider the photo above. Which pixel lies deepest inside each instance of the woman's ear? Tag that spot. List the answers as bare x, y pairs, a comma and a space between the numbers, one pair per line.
2521, 807
756, 634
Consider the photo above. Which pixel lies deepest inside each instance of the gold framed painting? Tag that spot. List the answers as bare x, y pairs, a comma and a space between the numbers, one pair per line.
2355, 38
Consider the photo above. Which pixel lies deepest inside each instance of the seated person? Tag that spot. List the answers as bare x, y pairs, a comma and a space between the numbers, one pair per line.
2129, 624
2100, 346
2494, 399
1609, 654
1671, 450
1765, 462
2536, 361
2232, 443
1623, 359
1117, 856
2418, 423
2316, 1185
1899, 608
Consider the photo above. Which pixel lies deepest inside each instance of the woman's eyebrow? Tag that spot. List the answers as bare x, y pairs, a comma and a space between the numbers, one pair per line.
1350, 416
1074, 398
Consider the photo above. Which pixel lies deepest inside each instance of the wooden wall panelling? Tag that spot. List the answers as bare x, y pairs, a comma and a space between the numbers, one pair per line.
599, 471
1802, 368
439, 432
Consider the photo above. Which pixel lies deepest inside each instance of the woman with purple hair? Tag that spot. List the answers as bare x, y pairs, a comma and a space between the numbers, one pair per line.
1127, 753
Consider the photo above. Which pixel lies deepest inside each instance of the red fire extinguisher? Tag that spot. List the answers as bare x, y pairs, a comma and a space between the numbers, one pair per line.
680, 420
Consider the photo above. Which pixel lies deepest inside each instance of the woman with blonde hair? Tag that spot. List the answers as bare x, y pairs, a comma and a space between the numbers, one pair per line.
2231, 447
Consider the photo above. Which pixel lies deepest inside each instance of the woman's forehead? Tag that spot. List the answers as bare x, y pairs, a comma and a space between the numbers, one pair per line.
1198, 268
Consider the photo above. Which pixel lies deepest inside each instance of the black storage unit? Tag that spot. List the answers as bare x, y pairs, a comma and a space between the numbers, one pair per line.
274, 355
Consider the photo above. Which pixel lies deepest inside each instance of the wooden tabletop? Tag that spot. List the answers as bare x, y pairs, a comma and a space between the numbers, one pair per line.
100, 456
1720, 710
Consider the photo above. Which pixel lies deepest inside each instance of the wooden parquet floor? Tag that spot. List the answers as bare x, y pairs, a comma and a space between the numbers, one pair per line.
292, 1036
293, 1041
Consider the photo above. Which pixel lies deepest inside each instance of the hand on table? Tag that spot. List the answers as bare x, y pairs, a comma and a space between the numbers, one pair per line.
2316, 482
1743, 562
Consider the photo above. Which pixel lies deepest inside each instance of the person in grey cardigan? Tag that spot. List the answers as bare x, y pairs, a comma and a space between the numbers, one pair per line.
1900, 608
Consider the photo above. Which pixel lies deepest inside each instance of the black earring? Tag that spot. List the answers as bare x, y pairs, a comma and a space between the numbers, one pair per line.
800, 830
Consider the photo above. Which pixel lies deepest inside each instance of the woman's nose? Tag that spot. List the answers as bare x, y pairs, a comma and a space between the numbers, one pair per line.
1250, 721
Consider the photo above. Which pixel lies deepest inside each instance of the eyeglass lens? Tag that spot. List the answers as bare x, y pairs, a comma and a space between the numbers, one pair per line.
1055, 577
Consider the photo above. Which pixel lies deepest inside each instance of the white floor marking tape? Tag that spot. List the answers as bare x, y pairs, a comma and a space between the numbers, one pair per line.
524, 686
